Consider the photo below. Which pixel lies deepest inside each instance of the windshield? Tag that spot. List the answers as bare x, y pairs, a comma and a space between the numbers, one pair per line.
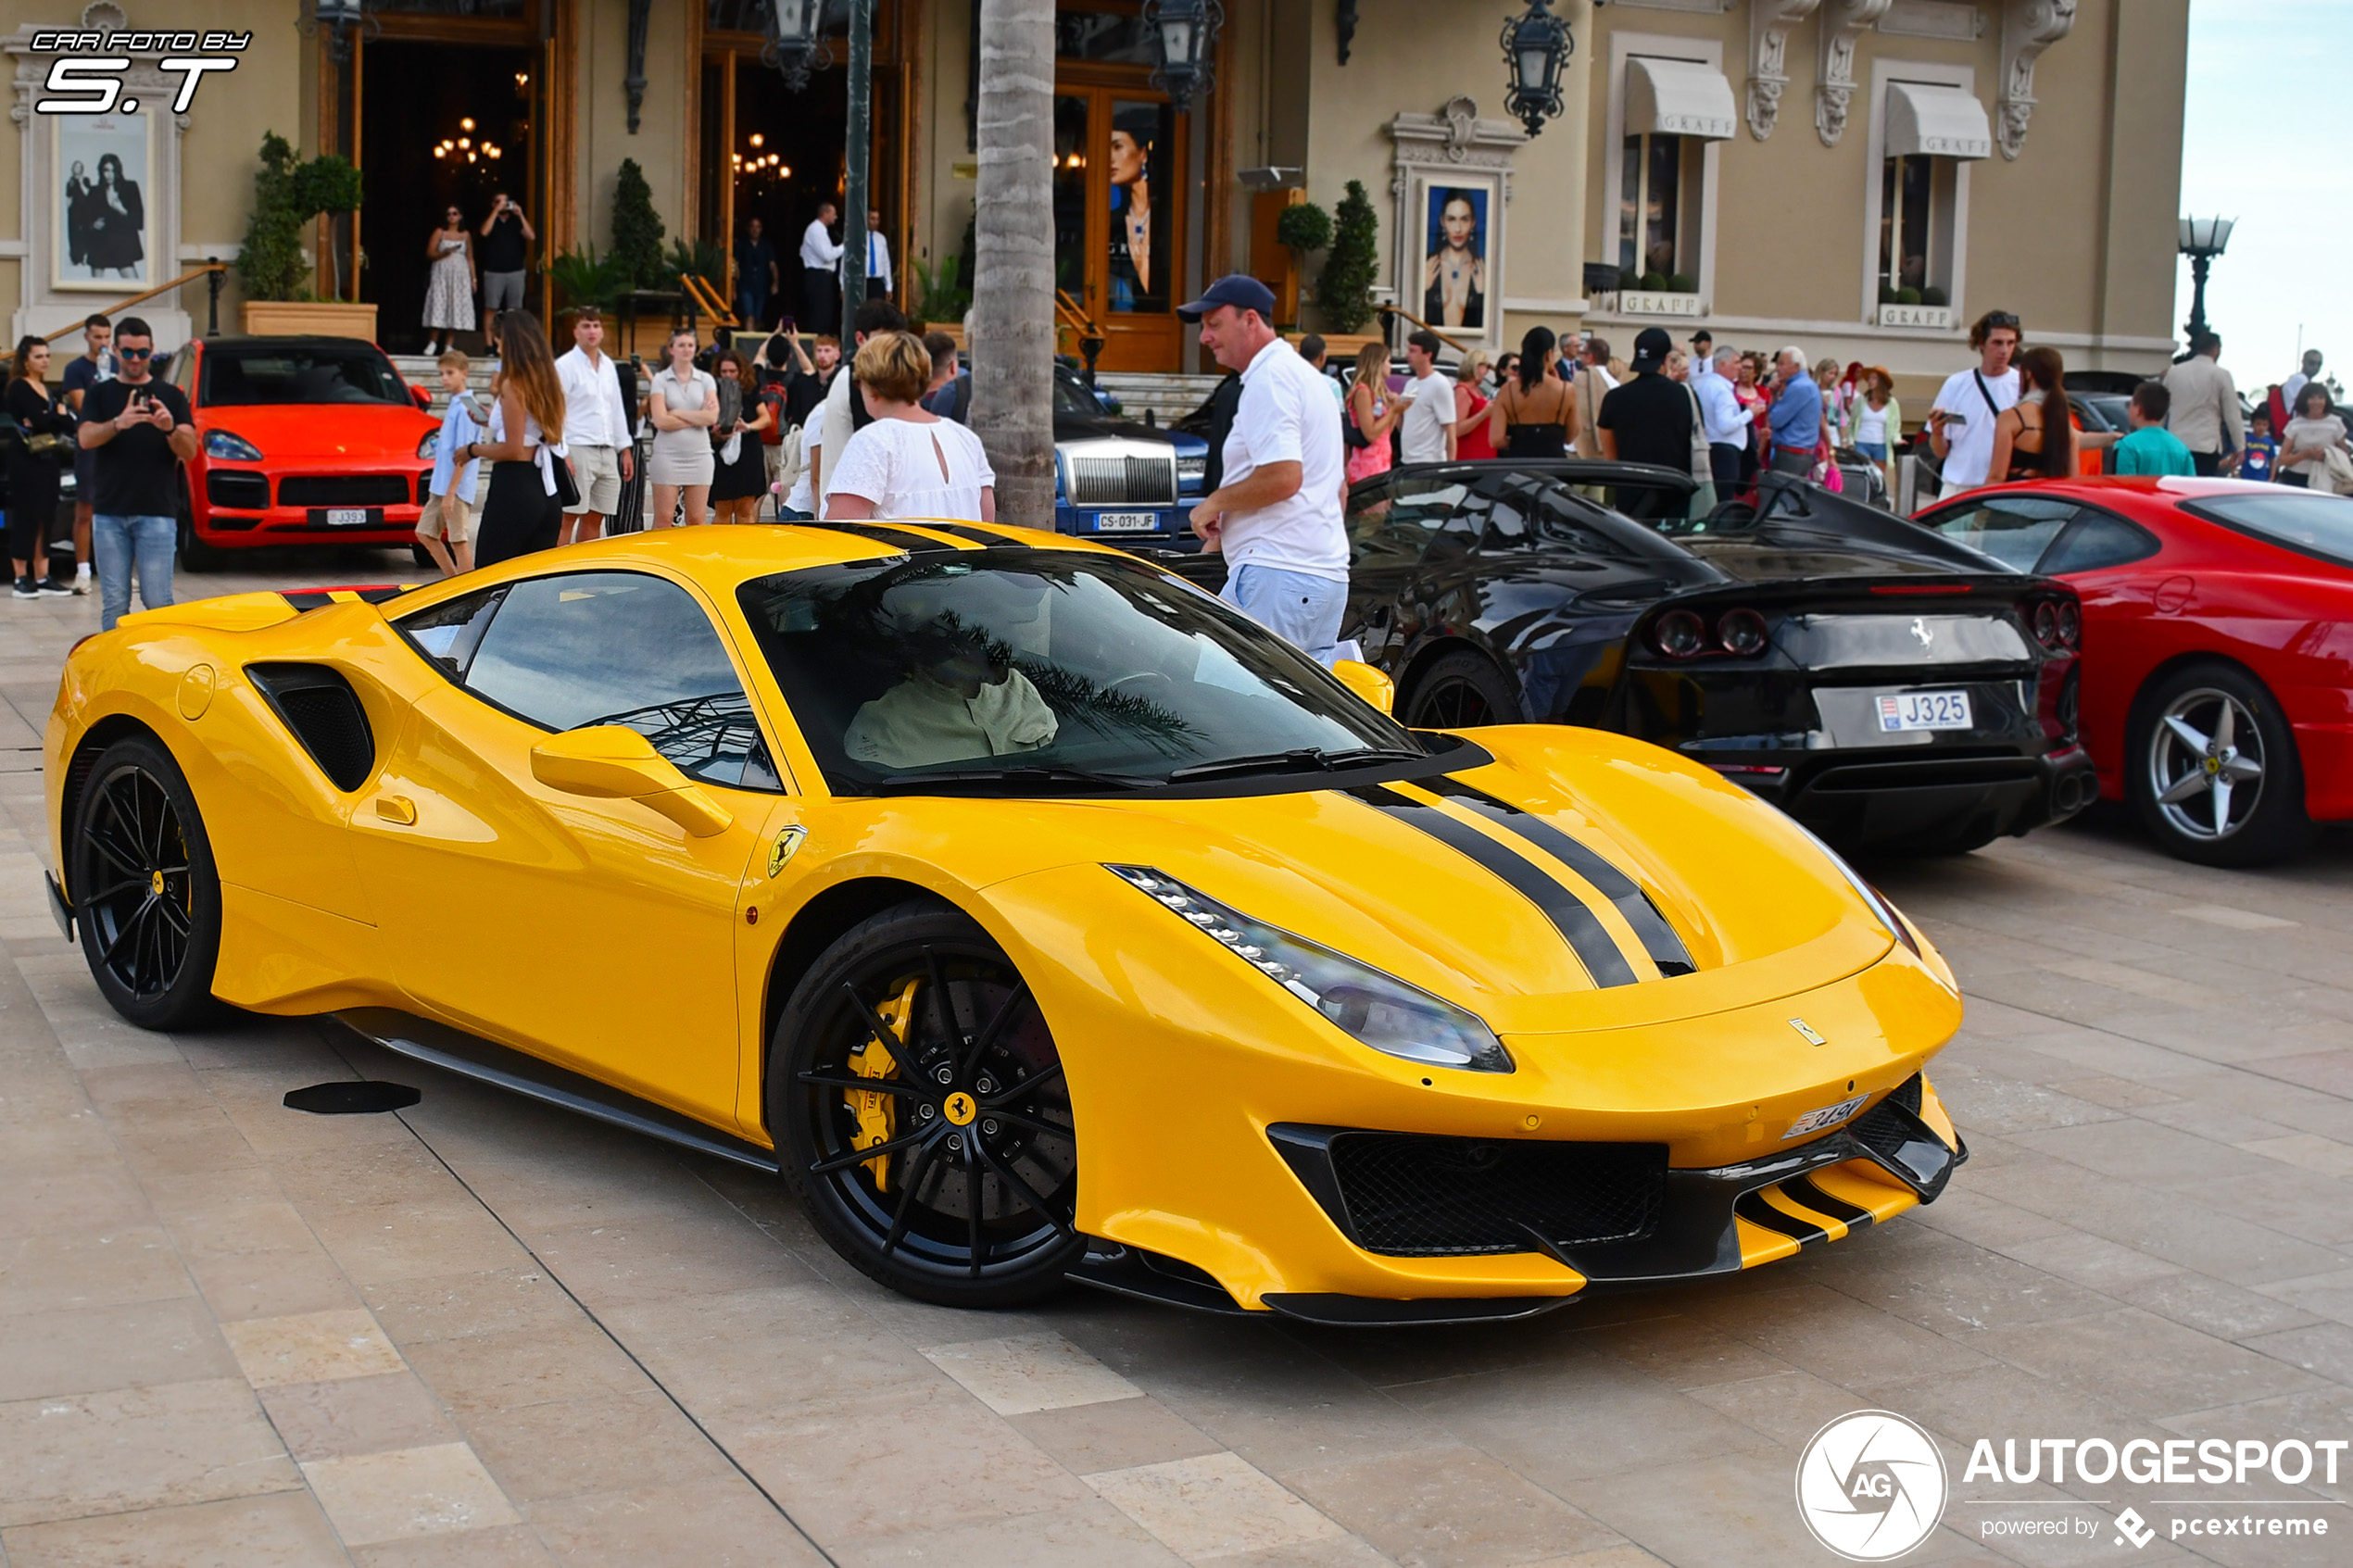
900, 671
1070, 396
287, 374
2305, 521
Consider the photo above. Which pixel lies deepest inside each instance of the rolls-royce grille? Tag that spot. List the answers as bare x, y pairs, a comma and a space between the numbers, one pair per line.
343, 490
1413, 1196
1122, 481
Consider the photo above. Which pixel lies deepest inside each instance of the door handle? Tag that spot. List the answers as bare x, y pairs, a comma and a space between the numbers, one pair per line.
397, 809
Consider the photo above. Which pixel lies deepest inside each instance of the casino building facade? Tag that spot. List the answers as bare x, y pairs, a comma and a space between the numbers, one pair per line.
1862, 177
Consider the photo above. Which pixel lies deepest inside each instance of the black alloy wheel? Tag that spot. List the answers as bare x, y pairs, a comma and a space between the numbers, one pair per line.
920, 1115
2214, 769
146, 896
1460, 691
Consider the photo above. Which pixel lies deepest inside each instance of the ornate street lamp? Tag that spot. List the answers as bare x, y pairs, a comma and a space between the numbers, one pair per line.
341, 18
1536, 46
2202, 239
1188, 31
796, 41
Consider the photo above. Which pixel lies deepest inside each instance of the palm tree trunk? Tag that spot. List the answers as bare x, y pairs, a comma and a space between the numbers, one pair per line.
1012, 340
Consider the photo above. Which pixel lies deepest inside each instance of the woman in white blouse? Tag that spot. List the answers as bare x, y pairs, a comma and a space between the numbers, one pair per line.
909, 463
682, 404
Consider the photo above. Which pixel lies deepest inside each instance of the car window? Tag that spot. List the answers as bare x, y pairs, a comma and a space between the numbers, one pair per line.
1377, 537
2096, 541
296, 374
448, 632
620, 647
2014, 530
2304, 521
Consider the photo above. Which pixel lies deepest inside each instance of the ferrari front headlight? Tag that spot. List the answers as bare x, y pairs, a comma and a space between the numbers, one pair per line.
1379, 1010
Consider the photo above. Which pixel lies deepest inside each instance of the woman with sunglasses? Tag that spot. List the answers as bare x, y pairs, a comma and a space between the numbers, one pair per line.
449, 289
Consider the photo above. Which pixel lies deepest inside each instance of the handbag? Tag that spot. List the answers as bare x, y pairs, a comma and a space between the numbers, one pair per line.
1351, 432
567, 487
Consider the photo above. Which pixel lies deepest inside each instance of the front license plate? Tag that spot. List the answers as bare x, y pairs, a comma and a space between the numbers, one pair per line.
346, 517
1828, 1116
1126, 523
1923, 711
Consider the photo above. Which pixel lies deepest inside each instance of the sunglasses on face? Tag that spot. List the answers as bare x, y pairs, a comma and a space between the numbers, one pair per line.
132, 353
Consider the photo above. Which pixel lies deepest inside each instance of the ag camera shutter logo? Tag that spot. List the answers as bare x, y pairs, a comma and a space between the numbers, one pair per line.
1871, 1485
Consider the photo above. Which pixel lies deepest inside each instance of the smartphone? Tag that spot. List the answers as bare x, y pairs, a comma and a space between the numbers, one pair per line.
1953, 419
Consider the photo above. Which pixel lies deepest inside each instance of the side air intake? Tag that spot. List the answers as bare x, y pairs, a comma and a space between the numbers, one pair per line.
323, 712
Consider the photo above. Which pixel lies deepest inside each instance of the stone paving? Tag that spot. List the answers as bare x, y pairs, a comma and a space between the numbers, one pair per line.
483, 1332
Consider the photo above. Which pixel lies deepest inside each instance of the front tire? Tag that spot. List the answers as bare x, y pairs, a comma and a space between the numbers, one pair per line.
970, 1203
147, 894
1461, 690
2214, 769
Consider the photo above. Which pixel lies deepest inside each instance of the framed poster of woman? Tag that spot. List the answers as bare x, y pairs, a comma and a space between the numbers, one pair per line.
102, 242
1456, 287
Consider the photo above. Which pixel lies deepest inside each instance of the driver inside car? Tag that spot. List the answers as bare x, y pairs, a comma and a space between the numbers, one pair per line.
957, 702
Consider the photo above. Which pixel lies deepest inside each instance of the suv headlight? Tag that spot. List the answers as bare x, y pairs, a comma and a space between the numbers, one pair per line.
1379, 1010
230, 445
424, 447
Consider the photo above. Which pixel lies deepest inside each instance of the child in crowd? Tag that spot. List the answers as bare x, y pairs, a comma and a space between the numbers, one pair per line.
445, 528
2151, 449
2262, 453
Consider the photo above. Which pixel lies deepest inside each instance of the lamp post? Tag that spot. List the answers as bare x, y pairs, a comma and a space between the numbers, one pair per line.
855, 156
796, 43
1187, 33
340, 18
1536, 46
2202, 239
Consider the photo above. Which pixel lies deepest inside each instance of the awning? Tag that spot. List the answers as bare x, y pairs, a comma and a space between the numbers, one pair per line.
1941, 122
1678, 98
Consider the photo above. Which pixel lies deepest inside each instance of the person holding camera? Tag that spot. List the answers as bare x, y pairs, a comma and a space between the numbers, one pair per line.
504, 258
139, 431
35, 460
1960, 424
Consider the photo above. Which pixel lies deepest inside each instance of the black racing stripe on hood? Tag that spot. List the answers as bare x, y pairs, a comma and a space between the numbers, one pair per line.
1585, 932
1752, 1206
964, 530
1802, 1190
1658, 938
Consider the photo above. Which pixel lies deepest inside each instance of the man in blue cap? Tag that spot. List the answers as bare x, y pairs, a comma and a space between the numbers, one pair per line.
1277, 514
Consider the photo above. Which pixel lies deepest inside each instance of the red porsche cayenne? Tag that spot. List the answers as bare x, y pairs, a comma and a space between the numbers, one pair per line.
2218, 646
306, 440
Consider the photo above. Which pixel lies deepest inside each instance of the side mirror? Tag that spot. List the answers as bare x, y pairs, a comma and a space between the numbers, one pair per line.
613, 762
1367, 681
423, 396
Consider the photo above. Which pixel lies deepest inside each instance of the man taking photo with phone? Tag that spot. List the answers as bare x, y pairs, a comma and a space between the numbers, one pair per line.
505, 260
1960, 424
138, 432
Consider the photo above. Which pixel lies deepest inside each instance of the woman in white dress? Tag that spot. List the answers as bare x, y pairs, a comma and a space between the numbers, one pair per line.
682, 404
909, 463
449, 287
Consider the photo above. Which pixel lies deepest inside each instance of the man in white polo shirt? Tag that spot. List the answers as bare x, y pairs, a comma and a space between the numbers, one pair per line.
597, 429
1277, 513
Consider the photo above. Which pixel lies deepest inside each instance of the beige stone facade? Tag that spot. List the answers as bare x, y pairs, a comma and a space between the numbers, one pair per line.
2041, 140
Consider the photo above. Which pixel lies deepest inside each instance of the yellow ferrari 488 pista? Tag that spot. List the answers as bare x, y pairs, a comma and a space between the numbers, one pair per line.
1031, 912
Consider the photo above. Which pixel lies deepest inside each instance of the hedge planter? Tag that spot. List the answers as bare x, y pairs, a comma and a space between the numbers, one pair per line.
310, 318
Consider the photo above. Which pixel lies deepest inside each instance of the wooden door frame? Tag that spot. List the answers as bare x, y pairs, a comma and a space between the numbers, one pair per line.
1100, 84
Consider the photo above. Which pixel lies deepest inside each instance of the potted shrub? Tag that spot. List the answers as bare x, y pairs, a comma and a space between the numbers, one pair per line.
288, 193
1303, 230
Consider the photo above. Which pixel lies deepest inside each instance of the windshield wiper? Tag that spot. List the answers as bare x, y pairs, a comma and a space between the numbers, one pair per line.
1034, 777
1293, 761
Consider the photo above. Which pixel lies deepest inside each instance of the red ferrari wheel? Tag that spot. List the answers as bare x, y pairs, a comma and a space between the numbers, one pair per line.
2218, 778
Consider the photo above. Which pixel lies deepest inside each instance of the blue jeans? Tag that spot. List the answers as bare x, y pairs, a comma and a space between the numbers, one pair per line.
117, 541
1302, 611
1875, 450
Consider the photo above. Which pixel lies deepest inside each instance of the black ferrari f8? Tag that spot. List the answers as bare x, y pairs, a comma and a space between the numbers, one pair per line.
1885, 686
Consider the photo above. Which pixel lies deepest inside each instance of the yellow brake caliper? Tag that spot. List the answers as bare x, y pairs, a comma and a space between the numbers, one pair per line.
875, 1111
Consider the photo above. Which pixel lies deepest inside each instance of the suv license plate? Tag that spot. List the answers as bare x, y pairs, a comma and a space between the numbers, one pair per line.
346, 517
1126, 523
1923, 711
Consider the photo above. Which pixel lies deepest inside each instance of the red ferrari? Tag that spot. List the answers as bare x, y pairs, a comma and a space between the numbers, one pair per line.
305, 440
2218, 647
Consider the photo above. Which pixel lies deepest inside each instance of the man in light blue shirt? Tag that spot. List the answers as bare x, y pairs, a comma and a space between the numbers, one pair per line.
1797, 414
1722, 414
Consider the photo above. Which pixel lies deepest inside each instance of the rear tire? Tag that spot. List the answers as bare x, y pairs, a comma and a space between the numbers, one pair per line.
146, 892
1460, 690
973, 1207
2214, 769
